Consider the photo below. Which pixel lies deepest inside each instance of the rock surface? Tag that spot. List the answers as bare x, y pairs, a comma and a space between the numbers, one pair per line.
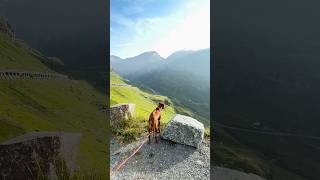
47, 155
184, 130
121, 111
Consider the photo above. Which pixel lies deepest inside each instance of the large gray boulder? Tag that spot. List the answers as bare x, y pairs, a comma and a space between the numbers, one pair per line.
43, 155
121, 111
184, 130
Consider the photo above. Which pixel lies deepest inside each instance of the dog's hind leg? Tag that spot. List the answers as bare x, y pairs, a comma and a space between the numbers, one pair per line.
156, 135
150, 130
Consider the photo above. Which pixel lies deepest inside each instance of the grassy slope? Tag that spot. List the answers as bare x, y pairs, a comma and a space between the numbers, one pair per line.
231, 153
51, 105
13, 55
145, 102
188, 89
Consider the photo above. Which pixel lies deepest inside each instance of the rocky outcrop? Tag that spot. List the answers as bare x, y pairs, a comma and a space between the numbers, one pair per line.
6, 28
121, 111
39, 155
184, 130
27, 75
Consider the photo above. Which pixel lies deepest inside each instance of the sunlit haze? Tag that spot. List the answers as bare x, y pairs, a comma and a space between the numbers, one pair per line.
163, 26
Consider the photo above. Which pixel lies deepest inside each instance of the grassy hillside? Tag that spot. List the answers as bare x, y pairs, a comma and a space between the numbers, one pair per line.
145, 103
182, 87
14, 55
230, 152
52, 105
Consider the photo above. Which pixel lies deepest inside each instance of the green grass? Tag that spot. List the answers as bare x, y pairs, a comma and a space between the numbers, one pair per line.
228, 152
129, 130
70, 106
207, 132
52, 105
231, 153
145, 102
14, 55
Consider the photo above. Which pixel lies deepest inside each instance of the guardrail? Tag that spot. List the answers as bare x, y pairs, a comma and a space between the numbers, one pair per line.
29, 75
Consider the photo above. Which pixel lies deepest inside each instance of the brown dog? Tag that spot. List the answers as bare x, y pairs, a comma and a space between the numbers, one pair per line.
154, 121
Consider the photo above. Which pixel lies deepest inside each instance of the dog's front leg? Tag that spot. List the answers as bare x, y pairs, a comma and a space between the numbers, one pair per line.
159, 129
149, 131
149, 137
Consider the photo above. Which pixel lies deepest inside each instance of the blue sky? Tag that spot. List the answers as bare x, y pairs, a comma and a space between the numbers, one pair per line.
164, 26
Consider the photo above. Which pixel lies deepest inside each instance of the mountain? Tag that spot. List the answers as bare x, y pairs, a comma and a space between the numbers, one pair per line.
73, 31
51, 105
114, 59
184, 76
138, 65
196, 62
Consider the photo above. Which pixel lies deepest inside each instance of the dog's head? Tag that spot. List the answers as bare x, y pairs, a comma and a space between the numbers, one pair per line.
161, 105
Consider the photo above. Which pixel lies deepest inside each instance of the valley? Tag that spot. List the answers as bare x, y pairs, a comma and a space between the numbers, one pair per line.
184, 77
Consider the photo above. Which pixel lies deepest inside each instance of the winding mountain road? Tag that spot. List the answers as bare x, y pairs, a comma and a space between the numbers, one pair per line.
273, 133
29, 75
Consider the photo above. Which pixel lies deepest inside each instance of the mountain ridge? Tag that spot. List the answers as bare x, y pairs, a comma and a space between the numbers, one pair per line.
155, 52
183, 76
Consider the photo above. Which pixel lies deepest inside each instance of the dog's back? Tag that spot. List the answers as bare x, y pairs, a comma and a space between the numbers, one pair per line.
153, 120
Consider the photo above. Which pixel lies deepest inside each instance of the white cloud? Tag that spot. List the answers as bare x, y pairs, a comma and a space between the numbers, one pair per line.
192, 33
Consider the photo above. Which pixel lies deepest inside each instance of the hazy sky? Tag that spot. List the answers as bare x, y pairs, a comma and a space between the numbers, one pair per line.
164, 26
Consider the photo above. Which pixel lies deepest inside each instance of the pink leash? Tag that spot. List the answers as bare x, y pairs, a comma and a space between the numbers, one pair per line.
114, 170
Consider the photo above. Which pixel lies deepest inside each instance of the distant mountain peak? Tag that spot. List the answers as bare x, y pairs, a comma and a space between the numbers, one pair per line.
152, 54
184, 52
114, 58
